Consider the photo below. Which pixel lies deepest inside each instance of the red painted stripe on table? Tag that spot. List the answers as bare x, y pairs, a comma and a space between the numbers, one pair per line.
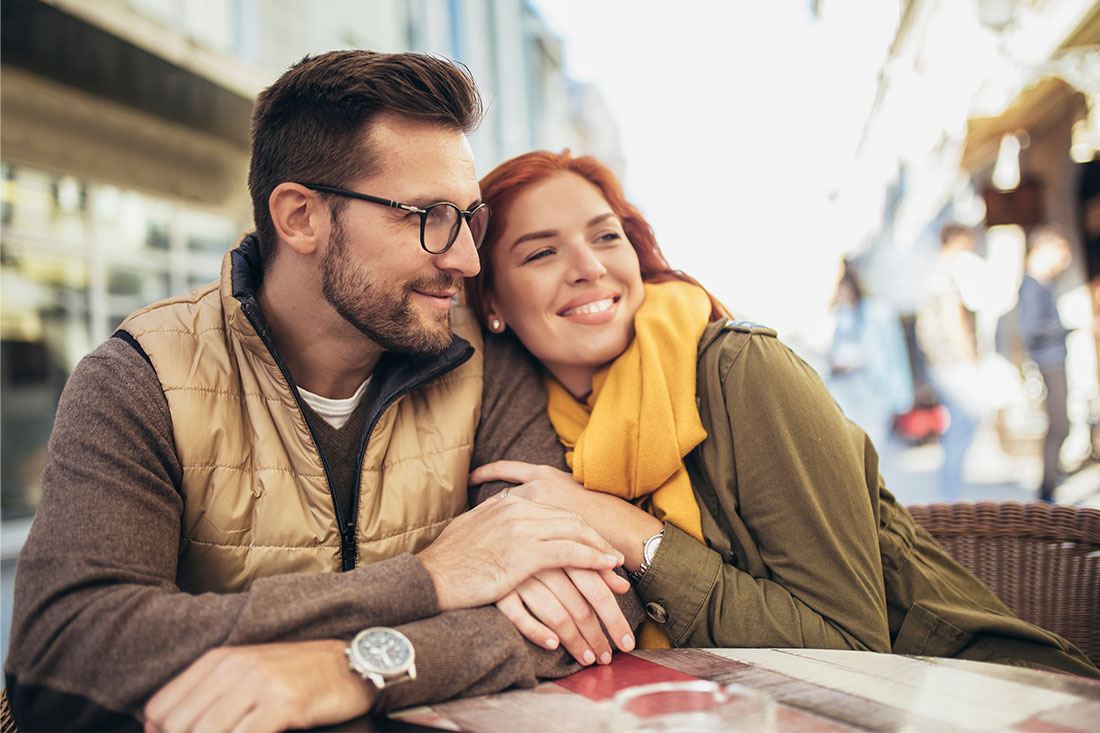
601, 681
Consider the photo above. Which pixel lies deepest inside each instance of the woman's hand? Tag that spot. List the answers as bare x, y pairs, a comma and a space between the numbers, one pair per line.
566, 606
544, 484
621, 523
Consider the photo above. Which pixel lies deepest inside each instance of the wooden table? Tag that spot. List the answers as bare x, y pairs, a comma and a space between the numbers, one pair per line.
816, 690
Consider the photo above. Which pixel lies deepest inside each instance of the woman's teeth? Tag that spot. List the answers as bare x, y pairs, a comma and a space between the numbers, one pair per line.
596, 306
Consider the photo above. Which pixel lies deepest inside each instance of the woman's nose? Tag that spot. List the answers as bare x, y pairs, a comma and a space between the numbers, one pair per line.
586, 265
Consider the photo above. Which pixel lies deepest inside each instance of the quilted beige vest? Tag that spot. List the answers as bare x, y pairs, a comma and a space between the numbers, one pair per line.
256, 500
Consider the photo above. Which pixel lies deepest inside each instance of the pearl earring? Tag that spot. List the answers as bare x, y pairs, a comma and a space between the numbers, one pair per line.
495, 325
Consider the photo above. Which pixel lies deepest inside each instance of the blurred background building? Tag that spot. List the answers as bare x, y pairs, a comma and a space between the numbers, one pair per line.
124, 151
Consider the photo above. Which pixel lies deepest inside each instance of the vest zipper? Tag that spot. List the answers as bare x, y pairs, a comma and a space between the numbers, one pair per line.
424, 379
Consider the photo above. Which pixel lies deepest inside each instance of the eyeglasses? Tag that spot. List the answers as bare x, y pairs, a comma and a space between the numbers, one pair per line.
439, 223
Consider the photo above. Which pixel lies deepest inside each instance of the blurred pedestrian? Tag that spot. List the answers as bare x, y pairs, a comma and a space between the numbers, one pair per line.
945, 332
1044, 337
869, 373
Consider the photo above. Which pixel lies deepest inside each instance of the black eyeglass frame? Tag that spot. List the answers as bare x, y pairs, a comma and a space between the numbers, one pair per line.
422, 211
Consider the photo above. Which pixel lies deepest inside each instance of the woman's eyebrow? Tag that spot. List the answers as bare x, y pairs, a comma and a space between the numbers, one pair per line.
548, 233
544, 234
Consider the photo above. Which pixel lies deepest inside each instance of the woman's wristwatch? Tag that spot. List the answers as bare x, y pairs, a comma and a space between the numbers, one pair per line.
649, 551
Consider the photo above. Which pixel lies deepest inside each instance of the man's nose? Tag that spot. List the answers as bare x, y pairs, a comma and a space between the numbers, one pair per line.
462, 257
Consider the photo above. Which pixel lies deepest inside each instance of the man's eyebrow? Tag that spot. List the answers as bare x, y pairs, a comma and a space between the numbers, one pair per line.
422, 201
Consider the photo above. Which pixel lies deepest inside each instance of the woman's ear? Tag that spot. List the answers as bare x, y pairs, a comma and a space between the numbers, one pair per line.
302, 220
496, 323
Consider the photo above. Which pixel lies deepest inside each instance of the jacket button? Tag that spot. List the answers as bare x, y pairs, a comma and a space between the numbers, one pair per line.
656, 612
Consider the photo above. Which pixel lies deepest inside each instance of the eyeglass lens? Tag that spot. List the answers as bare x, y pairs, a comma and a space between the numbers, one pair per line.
443, 221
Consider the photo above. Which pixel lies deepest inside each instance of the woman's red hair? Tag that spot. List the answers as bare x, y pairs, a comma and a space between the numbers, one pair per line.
505, 182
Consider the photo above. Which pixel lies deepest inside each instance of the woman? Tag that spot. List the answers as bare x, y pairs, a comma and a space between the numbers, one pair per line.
868, 361
749, 509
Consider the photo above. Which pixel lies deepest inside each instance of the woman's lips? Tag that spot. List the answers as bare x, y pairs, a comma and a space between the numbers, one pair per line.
591, 312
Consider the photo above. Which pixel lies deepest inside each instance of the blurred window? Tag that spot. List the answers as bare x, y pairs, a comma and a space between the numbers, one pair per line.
76, 257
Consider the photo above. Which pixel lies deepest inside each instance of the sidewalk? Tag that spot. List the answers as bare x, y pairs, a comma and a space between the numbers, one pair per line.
990, 475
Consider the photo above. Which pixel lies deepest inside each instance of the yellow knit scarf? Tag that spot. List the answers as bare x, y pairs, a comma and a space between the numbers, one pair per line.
630, 437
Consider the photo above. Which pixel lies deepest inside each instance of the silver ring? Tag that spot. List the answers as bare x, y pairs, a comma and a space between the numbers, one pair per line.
504, 494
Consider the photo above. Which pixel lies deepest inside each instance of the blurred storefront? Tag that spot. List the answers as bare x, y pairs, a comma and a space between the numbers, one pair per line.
1048, 136
988, 115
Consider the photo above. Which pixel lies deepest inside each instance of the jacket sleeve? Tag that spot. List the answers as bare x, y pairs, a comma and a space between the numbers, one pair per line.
98, 622
514, 424
792, 486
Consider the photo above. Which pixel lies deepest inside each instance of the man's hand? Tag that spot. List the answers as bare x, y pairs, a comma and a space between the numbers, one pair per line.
567, 606
266, 687
486, 552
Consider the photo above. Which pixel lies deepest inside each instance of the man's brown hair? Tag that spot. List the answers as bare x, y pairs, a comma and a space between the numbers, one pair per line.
307, 126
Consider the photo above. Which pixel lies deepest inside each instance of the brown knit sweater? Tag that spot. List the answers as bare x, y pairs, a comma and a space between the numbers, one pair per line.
99, 625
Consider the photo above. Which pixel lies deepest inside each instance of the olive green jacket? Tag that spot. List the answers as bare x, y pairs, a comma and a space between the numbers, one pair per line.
805, 547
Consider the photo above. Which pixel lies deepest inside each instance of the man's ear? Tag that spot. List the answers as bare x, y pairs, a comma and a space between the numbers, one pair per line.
301, 218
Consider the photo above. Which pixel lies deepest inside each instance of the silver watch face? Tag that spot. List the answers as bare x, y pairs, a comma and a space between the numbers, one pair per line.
385, 651
649, 549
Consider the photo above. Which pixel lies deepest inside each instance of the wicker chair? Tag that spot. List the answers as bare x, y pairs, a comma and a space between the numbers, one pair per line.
1042, 560
7, 723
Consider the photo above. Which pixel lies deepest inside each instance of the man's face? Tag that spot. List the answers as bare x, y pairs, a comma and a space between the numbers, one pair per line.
374, 272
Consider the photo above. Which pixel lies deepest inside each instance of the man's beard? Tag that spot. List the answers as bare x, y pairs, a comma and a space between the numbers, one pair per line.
385, 316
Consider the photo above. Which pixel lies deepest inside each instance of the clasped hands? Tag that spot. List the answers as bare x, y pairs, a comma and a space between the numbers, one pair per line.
565, 602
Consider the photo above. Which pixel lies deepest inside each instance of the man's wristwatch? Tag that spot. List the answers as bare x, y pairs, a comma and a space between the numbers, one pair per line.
649, 551
383, 656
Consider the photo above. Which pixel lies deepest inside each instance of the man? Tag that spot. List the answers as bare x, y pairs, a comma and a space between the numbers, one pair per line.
216, 466
945, 332
1044, 336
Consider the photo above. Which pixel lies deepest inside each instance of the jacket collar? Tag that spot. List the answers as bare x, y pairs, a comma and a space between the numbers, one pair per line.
711, 332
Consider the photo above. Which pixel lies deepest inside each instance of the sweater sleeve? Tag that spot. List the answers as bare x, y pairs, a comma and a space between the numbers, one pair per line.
477, 651
514, 424
98, 623
793, 493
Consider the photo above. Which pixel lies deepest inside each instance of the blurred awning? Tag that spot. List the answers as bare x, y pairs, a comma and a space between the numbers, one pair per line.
54, 41
1059, 88
1049, 99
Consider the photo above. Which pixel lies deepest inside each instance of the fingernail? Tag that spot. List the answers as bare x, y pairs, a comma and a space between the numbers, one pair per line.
551, 643
628, 643
588, 657
616, 558
605, 658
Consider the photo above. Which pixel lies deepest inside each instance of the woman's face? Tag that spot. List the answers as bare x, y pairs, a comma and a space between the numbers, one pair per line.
567, 280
